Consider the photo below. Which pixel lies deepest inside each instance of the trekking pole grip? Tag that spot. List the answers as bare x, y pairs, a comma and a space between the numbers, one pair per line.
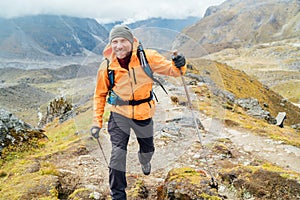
175, 53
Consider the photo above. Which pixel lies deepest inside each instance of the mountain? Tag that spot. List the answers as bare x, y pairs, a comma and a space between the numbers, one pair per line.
51, 41
240, 146
49, 34
276, 64
173, 24
260, 38
242, 23
157, 33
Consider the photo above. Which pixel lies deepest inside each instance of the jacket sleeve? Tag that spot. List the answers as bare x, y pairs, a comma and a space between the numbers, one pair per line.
100, 93
159, 64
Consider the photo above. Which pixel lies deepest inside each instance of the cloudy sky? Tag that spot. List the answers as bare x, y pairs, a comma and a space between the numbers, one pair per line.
108, 10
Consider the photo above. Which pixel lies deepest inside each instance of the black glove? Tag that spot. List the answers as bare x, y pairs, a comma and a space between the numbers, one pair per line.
95, 131
179, 60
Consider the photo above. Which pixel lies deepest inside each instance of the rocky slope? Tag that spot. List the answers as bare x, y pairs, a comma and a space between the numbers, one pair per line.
235, 148
275, 64
57, 35
241, 148
15, 133
51, 41
242, 23
27, 92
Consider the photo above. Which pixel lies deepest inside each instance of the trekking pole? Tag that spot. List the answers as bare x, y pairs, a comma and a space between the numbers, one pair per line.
214, 183
102, 152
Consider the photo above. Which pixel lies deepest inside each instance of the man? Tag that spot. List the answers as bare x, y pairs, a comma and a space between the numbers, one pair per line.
132, 101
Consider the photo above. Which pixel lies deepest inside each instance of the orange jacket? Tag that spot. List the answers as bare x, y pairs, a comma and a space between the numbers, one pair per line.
130, 84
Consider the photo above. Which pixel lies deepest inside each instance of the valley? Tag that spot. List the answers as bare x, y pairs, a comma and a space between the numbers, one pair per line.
276, 65
243, 61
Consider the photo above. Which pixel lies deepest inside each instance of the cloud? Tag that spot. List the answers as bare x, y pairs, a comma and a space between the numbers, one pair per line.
108, 11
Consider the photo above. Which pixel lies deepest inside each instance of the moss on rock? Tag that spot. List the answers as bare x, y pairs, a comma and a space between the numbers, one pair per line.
187, 184
262, 182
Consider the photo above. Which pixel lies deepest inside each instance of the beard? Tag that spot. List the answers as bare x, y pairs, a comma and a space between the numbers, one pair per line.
122, 53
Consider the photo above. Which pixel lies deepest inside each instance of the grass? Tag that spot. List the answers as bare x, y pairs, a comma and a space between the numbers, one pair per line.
63, 136
243, 86
270, 64
261, 127
14, 179
290, 90
263, 181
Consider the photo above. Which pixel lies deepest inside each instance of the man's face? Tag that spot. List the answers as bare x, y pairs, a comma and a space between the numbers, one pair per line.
121, 47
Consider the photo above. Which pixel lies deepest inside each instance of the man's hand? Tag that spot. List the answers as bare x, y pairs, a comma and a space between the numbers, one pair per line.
95, 130
179, 60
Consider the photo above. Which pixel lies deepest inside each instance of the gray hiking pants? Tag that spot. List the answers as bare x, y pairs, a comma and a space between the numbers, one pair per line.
119, 130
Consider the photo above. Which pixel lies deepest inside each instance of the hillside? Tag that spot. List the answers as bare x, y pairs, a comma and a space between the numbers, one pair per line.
25, 92
49, 34
243, 86
51, 41
243, 69
259, 38
276, 65
173, 24
242, 23
241, 150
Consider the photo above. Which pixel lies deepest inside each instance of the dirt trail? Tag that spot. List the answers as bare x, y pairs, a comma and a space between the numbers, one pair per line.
276, 152
175, 138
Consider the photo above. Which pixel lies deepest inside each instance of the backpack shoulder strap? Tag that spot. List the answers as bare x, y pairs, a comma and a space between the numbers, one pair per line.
146, 67
110, 75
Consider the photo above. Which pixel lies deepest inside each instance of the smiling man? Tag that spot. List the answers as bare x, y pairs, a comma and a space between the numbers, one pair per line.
129, 89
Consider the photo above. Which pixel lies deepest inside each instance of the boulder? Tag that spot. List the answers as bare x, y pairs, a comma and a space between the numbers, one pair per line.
253, 108
187, 184
58, 108
258, 182
15, 132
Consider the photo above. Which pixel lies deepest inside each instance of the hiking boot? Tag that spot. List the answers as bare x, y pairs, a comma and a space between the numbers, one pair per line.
146, 168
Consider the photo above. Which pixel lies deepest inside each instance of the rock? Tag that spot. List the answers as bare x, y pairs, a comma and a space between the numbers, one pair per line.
44, 186
95, 195
222, 150
187, 183
261, 183
139, 190
280, 119
15, 132
86, 194
201, 79
35, 167
211, 10
251, 105
296, 126
59, 107
224, 94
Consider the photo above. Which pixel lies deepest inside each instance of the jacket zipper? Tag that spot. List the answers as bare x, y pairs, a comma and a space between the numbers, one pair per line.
132, 88
134, 78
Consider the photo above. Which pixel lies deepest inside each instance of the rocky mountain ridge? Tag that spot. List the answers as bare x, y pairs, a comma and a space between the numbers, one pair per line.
236, 24
51, 35
275, 64
173, 24
251, 157
38, 39
51, 41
